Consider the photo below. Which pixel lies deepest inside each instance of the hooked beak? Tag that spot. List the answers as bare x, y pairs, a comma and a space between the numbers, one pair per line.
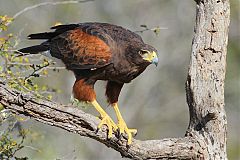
155, 61
151, 57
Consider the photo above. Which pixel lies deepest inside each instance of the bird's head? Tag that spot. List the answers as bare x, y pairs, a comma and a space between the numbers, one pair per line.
149, 54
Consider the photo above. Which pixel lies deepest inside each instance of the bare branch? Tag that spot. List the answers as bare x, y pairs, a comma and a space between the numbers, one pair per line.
155, 30
44, 4
47, 3
76, 121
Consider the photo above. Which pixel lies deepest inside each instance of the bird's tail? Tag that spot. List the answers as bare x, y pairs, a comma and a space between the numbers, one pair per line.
41, 47
35, 49
45, 46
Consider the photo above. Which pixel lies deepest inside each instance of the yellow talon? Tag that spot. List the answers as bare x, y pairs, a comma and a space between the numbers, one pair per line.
122, 125
110, 124
105, 119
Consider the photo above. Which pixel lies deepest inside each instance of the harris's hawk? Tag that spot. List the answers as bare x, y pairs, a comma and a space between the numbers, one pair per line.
98, 51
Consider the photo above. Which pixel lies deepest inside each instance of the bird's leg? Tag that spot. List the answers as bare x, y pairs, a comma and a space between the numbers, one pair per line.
105, 119
122, 125
83, 90
113, 90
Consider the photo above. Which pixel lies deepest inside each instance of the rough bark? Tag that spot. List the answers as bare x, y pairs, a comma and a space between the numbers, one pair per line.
205, 81
206, 134
74, 120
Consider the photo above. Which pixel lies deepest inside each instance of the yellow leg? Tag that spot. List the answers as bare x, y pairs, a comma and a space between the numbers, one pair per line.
105, 119
122, 125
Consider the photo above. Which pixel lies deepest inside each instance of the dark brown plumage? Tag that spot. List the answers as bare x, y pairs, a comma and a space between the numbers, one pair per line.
98, 51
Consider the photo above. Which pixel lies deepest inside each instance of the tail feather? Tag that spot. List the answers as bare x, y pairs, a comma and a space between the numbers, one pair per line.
63, 28
34, 49
45, 35
48, 36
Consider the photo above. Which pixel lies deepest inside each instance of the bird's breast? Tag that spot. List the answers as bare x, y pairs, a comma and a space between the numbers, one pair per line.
124, 74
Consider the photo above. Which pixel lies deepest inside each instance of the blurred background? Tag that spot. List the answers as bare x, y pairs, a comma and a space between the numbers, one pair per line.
155, 102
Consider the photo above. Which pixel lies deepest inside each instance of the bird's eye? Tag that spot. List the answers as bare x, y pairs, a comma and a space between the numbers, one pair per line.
142, 52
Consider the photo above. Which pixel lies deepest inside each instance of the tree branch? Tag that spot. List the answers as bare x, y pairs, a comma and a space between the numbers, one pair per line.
44, 4
76, 121
48, 3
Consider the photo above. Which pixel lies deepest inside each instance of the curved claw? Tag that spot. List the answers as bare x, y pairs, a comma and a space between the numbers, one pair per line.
122, 125
124, 129
105, 119
109, 123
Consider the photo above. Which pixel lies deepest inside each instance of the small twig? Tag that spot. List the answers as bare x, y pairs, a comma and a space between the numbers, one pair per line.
17, 39
55, 68
20, 145
33, 148
44, 4
36, 71
19, 64
30, 64
155, 29
47, 3
19, 54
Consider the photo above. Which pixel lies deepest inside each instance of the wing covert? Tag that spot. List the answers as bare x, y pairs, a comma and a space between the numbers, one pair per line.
81, 50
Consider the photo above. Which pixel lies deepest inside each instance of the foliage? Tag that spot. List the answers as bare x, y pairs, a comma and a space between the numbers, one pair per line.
155, 30
9, 146
19, 71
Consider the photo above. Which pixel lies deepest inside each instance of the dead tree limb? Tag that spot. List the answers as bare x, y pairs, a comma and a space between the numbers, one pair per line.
74, 120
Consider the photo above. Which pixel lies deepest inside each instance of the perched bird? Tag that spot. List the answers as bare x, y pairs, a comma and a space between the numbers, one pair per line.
98, 51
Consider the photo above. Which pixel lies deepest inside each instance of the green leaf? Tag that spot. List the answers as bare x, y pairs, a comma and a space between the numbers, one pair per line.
156, 30
3, 27
1, 107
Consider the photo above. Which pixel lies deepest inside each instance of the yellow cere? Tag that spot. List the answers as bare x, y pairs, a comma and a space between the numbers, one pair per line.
149, 56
